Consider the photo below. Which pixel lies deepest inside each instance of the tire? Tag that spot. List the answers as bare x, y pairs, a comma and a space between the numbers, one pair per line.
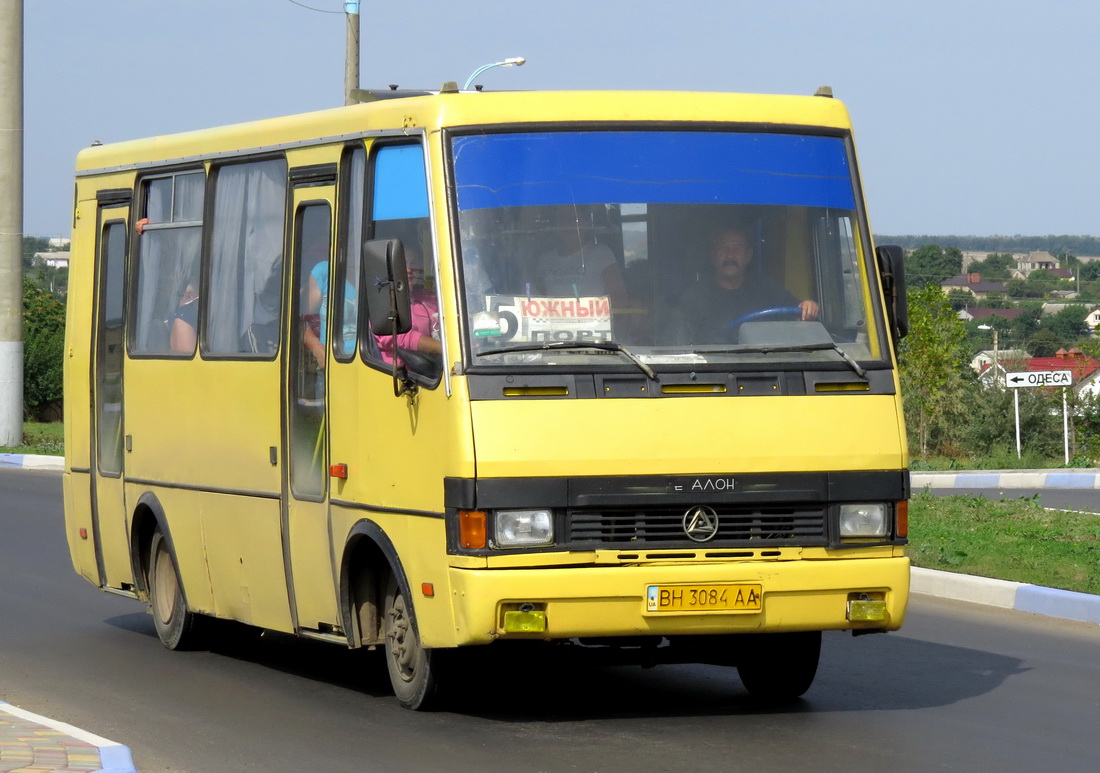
414, 671
779, 668
177, 627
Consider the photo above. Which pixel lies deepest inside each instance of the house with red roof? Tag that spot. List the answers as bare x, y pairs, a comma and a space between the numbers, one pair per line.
1085, 369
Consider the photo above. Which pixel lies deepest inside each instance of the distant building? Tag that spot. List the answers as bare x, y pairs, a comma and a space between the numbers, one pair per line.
52, 259
1008, 359
980, 313
1093, 319
973, 284
1033, 261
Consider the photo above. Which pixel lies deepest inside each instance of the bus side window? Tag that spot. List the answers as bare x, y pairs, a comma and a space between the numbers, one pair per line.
169, 241
346, 294
246, 259
399, 210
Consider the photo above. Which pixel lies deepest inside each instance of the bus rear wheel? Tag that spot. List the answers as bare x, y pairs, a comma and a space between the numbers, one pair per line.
177, 627
414, 670
777, 668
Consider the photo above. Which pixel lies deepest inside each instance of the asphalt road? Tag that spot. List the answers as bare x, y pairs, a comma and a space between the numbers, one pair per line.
961, 687
1084, 500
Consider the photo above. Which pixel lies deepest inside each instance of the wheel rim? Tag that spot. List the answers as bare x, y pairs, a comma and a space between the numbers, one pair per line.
401, 640
165, 586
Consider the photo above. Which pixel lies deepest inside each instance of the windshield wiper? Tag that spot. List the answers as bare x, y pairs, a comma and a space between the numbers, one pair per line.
819, 347
606, 346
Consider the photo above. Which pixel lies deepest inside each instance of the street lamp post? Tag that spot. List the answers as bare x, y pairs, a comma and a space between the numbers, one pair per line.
518, 61
996, 358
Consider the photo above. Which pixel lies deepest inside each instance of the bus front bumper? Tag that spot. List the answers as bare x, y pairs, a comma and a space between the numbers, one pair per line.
867, 594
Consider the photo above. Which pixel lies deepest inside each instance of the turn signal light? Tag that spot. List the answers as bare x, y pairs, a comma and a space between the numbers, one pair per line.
902, 526
472, 529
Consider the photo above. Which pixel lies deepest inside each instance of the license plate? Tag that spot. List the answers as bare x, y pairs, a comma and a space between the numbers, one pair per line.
703, 598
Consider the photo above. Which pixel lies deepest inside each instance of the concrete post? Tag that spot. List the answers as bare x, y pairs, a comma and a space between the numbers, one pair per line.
351, 58
11, 222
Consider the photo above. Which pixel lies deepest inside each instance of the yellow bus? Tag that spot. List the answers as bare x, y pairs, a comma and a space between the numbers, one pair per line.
609, 371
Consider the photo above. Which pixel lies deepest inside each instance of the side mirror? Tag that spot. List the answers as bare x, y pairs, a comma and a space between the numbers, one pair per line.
385, 287
891, 266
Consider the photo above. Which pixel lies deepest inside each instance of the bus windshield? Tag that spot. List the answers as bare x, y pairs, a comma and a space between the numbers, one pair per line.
689, 247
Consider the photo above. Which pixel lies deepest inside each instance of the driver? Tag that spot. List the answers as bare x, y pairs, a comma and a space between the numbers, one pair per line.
709, 306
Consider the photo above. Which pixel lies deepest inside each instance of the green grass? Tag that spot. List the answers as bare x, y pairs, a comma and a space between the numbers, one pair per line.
1006, 539
47, 439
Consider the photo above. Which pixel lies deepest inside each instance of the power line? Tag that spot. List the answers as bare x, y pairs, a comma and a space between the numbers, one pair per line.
311, 8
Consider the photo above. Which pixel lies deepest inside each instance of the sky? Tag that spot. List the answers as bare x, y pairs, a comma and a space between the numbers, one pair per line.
971, 116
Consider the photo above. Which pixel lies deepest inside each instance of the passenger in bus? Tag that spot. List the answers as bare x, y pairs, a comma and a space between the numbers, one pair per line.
424, 335
184, 322
576, 265
316, 303
708, 307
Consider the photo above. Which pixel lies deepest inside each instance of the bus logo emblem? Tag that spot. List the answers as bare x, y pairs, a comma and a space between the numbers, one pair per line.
701, 523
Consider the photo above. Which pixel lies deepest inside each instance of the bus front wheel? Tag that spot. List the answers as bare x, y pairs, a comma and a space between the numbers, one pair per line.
414, 670
177, 627
778, 668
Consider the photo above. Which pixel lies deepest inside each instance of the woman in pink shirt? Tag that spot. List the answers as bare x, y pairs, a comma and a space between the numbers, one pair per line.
423, 336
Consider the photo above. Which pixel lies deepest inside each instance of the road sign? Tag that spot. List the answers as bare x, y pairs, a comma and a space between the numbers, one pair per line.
1040, 378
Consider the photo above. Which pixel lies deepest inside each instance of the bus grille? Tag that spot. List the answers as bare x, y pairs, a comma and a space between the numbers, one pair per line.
736, 526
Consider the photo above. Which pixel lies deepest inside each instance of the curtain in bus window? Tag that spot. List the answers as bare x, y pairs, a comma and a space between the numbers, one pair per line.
246, 253
187, 201
168, 259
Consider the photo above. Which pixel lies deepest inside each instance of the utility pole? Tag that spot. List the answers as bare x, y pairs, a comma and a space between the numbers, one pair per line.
11, 222
351, 59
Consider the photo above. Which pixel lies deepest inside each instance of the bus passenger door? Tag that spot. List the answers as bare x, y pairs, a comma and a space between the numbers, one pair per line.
109, 518
307, 542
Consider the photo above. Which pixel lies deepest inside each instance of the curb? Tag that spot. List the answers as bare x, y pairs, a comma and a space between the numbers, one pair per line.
1019, 596
32, 462
38, 741
1071, 479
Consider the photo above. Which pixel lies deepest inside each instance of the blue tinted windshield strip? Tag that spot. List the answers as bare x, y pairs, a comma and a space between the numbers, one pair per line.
547, 168
400, 183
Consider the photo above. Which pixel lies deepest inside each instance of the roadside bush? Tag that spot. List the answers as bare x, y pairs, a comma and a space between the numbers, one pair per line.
43, 349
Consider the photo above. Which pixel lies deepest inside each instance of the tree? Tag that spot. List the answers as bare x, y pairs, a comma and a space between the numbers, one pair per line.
1043, 281
934, 365
995, 267
1024, 325
31, 245
1068, 325
43, 347
960, 299
1090, 271
1044, 343
932, 263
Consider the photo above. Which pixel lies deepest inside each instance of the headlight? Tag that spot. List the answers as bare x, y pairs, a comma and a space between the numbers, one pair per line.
523, 528
865, 520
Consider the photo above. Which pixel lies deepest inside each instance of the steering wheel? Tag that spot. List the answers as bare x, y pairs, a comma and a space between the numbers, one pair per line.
776, 312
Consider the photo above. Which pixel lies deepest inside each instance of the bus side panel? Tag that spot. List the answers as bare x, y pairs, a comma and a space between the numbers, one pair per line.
77, 405
78, 516
181, 511
398, 455
244, 560
211, 424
